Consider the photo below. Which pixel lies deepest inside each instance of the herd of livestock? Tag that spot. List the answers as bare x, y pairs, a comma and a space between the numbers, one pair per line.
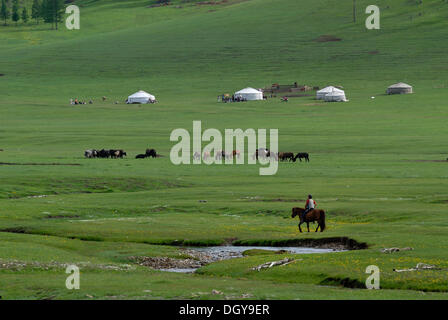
103, 153
262, 153
116, 154
282, 156
151, 153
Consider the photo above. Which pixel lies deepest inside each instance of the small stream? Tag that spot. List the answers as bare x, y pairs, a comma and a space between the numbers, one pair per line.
218, 253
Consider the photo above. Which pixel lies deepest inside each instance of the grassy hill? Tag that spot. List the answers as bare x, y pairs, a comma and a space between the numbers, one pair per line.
375, 163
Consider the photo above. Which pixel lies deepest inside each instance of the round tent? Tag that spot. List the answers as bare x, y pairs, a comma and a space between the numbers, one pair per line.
399, 88
336, 95
249, 94
141, 97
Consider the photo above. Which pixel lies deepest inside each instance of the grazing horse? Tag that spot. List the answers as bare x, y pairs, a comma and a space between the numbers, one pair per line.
223, 155
302, 155
313, 215
263, 153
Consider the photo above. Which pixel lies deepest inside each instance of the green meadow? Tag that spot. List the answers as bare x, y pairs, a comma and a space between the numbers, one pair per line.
378, 165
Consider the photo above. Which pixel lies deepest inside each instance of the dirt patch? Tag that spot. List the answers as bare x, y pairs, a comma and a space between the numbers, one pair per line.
158, 209
156, 5
162, 263
327, 38
374, 52
38, 164
60, 216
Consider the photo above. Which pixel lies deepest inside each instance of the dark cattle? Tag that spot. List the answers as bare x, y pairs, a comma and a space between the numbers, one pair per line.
113, 153
283, 156
151, 153
302, 155
103, 153
140, 156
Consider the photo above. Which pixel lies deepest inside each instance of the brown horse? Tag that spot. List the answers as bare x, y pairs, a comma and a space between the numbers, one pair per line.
314, 215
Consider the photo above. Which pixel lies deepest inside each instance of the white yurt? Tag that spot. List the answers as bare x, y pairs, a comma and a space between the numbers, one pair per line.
323, 92
141, 97
399, 88
336, 95
249, 94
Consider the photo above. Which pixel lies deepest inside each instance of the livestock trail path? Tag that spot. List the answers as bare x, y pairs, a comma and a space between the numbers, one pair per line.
375, 164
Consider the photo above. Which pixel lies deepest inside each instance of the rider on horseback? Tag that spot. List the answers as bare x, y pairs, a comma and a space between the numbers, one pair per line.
309, 205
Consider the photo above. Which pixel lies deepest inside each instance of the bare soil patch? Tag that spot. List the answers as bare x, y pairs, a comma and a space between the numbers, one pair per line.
327, 38
61, 216
162, 263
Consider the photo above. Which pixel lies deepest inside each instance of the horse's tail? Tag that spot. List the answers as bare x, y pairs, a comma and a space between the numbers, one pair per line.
322, 221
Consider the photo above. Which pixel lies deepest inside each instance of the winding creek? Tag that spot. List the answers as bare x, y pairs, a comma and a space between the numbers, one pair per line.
219, 253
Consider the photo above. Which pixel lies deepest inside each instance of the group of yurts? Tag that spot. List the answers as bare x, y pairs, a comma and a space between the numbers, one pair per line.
328, 94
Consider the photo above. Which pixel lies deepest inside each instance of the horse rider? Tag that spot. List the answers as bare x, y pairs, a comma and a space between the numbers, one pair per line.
309, 205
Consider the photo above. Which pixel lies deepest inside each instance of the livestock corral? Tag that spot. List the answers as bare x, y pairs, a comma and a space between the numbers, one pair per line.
84, 185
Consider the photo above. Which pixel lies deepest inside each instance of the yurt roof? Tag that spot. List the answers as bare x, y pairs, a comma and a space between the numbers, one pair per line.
400, 85
141, 94
330, 89
248, 90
